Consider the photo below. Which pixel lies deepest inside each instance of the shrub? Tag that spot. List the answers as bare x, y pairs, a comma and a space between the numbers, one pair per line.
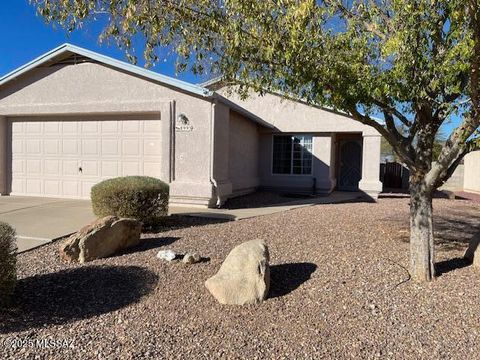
8, 263
138, 197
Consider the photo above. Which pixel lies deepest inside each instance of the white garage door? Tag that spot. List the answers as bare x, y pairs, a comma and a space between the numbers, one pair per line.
65, 158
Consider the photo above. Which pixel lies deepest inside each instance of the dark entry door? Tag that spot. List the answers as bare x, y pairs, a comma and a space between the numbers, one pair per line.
350, 165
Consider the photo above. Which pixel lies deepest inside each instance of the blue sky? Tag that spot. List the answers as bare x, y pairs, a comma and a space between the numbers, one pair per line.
26, 36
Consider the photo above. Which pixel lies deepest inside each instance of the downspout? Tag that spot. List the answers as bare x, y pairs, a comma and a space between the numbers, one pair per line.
212, 155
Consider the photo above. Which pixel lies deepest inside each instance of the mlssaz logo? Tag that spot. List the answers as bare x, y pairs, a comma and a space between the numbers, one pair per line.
183, 123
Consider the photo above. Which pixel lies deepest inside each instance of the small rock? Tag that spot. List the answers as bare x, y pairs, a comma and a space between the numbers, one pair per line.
191, 258
167, 255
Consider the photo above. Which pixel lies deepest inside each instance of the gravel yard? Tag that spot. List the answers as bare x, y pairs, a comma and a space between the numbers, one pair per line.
340, 290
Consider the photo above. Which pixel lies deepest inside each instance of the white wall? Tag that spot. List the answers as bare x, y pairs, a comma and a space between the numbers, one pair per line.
472, 172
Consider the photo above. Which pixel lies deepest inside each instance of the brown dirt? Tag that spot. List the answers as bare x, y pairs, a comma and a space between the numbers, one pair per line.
340, 290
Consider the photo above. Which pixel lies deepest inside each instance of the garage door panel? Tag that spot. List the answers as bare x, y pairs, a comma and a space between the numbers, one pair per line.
152, 169
52, 167
52, 128
51, 147
89, 127
66, 158
69, 128
131, 147
90, 168
130, 168
34, 167
34, 186
109, 127
17, 128
90, 147
33, 146
52, 187
110, 168
33, 128
70, 147
18, 167
131, 127
17, 147
152, 147
70, 167
110, 147
70, 188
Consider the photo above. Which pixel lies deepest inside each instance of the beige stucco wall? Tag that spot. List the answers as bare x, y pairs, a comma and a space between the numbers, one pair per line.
3, 156
243, 148
89, 88
472, 172
321, 167
291, 116
456, 181
288, 116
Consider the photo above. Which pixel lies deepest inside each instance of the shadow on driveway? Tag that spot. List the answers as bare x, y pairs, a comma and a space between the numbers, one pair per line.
75, 294
285, 278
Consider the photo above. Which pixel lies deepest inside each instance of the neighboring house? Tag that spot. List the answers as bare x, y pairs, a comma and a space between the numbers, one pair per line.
72, 118
467, 175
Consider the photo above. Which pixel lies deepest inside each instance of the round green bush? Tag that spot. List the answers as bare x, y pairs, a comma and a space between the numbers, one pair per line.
8, 263
138, 197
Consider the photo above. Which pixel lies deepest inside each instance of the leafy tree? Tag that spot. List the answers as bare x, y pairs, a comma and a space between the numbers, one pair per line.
439, 142
414, 61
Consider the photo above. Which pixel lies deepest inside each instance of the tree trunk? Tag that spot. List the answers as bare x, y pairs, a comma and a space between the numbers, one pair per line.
422, 263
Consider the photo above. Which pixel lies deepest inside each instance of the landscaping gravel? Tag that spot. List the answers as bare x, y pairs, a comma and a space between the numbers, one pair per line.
340, 290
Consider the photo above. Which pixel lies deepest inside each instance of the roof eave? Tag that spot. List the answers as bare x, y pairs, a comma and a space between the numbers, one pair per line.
242, 111
166, 80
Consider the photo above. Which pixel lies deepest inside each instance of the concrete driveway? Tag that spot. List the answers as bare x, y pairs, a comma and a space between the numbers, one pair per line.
41, 220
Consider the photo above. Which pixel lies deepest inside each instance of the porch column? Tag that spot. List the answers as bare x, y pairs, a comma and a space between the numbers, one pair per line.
370, 183
3, 155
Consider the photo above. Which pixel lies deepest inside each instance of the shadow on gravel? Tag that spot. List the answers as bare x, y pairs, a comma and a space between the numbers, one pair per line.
149, 243
285, 278
75, 294
455, 231
453, 228
175, 222
446, 266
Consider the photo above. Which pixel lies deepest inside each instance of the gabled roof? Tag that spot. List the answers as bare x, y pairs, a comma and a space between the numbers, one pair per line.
218, 83
64, 51
68, 49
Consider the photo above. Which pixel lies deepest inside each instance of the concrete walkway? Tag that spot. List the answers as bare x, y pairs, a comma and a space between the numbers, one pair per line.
239, 214
41, 220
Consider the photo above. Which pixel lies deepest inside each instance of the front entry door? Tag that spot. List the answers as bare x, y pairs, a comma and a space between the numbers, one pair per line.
350, 165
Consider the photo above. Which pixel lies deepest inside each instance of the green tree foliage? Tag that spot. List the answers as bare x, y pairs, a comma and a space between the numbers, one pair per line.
414, 61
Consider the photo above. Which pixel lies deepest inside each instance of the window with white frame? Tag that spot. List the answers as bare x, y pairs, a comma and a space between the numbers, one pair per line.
292, 154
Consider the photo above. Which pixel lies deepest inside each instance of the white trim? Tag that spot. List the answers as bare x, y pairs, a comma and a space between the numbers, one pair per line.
65, 48
32, 238
106, 60
292, 97
291, 160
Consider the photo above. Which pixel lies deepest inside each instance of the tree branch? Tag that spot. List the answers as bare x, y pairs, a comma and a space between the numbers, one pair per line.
390, 137
393, 111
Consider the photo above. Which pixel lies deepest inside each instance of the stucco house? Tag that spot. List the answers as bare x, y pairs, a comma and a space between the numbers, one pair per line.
72, 117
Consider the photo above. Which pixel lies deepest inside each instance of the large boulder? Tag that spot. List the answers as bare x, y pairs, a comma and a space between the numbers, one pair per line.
244, 277
104, 237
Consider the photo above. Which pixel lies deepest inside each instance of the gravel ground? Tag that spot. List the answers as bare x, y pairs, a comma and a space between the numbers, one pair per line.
340, 290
